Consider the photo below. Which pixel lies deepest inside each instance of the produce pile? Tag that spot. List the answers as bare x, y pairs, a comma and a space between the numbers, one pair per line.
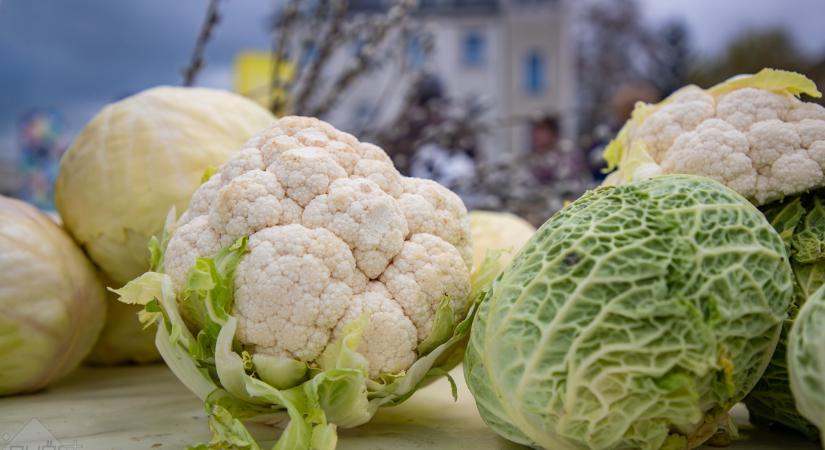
754, 135
288, 274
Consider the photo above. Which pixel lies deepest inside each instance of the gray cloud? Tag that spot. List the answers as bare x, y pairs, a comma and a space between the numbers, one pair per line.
715, 22
78, 55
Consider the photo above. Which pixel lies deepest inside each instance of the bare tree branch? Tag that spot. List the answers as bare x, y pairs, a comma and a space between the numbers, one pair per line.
309, 40
371, 126
281, 32
196, 63
326, 46
365, 57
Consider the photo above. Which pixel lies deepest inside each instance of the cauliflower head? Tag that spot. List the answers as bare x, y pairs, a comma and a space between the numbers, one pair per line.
751, 133
334, 233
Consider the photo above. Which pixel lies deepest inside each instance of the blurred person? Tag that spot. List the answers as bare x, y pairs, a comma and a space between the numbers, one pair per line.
551, 159
622, 102
41, 145
453, 169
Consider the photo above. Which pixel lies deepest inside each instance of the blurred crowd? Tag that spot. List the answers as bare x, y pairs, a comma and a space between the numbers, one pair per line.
533, 183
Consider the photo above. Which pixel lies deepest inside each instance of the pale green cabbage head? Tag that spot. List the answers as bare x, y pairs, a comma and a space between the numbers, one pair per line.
136, 159
636, 317
806, 360
498, 231
51, 300
123, 337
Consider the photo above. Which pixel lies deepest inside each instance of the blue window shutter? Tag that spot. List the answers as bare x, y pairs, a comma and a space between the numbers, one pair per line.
416, 54
535, 81
473, 49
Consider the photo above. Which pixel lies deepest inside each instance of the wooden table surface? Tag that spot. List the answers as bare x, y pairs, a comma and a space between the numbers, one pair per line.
147, 408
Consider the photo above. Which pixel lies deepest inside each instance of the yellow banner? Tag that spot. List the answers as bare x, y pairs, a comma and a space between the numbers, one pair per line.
253, 73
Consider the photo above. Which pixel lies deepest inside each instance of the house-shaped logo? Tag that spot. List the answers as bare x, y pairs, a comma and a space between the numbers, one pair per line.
34, 436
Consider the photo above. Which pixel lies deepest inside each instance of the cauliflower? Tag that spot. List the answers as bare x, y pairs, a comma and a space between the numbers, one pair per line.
754, 135
750, 133
307, 264
326, 217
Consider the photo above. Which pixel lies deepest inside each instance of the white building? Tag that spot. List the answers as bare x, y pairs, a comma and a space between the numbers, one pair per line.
516, 56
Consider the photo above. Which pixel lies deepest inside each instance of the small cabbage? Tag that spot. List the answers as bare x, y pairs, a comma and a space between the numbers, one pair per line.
806, 360
498, 231
136, 159
122, 337
636, 317
51, 300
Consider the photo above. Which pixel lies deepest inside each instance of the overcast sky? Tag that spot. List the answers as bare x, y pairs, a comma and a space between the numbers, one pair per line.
77, 55
714, 22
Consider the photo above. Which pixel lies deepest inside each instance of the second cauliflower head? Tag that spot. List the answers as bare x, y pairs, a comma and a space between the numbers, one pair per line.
334, 232
750, 133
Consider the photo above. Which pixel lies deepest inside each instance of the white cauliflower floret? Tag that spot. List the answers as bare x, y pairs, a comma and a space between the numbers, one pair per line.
248, 203
365, 217
791, 172
335, 234
810, 131
431, 208
247, 159
716, 149
275, 143
744, 107
306, 173
390, 338
374, 153
202, 199
297, 132
292, 289
422, 274
765, 144
688, 108
376, 166
191, 240
769, 139
817, 152
804, 110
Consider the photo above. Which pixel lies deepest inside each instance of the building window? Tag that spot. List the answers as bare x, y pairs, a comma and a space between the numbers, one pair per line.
473, 49
535, 81
416, 53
